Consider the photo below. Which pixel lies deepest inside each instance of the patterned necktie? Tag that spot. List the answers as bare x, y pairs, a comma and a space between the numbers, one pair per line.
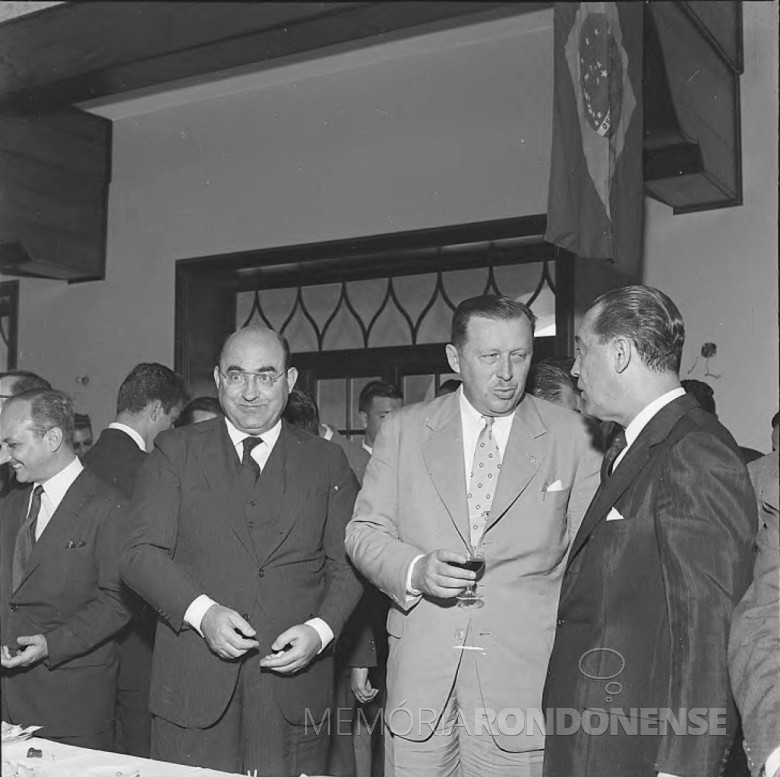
483, 481
247, 461
25, 539
615, 449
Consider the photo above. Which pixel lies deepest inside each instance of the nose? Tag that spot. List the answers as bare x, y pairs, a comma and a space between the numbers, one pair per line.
575, 368
4, 455
504, 369
251, 387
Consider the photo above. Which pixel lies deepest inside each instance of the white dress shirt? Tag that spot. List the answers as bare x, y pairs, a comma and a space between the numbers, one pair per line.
54, 490
643, 418
131, 433
260, 453
471, 425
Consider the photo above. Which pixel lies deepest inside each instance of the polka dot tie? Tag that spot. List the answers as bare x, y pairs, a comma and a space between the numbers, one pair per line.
483, 480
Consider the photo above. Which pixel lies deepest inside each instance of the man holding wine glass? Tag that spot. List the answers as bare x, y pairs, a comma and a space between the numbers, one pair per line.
467, 512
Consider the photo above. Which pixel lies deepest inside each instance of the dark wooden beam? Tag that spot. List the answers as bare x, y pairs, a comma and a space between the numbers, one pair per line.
83, 51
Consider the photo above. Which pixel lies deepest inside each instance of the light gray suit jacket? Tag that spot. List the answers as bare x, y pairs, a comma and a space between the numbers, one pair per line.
754, 648
414, 501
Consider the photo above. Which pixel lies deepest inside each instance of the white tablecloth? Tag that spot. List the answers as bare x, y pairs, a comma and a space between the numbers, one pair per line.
67, 761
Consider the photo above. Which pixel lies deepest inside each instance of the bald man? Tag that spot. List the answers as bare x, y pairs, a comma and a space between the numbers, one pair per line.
237, 540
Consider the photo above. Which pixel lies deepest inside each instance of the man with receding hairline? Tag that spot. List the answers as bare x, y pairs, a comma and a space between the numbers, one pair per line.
237, 540
60, 593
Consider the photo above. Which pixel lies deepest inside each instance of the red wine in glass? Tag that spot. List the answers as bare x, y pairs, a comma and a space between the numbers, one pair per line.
475, 562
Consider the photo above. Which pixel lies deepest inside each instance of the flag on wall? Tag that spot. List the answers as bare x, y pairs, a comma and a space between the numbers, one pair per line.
595, 197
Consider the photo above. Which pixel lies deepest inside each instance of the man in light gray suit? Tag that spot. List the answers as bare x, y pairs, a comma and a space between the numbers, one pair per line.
490, 468
754, 648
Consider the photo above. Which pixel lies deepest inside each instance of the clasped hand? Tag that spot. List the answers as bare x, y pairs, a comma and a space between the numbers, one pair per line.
231, 636
34, 649
434, 575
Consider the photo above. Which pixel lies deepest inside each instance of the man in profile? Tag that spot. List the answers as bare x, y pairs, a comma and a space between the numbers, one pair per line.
149, 401
60, 593
662, 557
237, 540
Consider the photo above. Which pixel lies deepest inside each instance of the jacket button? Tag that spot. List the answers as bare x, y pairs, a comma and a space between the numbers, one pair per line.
261, 572
253, 503
14, 607
460, 634
245, 616
250, 525
561, 621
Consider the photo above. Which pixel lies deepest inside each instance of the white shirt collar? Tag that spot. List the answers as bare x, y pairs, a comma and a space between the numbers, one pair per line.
367, 447
237, 437
644, 416
57, 486
131, 433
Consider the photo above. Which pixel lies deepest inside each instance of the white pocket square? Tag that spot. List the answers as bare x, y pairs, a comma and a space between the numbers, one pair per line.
556, 486
614, 515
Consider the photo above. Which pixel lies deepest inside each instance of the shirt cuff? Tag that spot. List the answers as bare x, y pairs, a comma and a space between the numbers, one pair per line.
325, 632
773, 762
666, 774
411, 591
195, 612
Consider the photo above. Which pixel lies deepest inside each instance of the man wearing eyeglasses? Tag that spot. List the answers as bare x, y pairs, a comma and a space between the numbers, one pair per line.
237, 540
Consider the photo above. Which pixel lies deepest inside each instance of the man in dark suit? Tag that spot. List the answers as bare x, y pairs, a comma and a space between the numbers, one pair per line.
59, 584
661, 558
754, 649
149, 401
237, 540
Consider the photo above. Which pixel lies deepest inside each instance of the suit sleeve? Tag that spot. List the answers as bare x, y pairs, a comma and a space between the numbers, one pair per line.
146, 564
105, 615
373, 542
754, 649
343, 589
705, 526
586, 481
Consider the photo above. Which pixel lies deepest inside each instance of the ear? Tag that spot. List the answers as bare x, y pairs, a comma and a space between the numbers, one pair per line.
363, 419
216, 376
622, 351
292, 378
155, 409
452, 357
54, 438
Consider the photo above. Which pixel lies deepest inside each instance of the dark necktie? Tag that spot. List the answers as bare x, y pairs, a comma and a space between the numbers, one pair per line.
247, 461
25, 539
615, 449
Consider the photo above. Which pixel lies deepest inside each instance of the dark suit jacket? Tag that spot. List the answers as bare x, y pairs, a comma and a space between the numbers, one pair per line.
116, 459
190, 536
754, 650
71, 594
646, 601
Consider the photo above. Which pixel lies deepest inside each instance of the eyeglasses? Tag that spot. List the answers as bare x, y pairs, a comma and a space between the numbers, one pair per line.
236, 378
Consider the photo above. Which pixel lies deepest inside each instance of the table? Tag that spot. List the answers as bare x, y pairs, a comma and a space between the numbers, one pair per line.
67, 761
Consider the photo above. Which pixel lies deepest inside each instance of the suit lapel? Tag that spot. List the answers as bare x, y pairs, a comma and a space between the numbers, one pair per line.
218, 460
62, 525
526, 448
635, 460
442, 452
295, 460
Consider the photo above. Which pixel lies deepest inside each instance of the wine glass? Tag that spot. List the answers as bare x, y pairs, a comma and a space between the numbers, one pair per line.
476, 563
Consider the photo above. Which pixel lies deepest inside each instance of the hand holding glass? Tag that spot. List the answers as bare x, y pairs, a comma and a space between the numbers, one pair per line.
475, 562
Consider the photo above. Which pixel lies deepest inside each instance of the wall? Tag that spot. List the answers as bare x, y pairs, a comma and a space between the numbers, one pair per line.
455, 131
721, 266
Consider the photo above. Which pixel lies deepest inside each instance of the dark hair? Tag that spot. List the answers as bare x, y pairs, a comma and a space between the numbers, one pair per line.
203, 404
301, 411
287, 358
776, 420
25, 381
49, 408
377, 388
147, 382
649, 318
548, 378
450, 386
487, 306
703, 393
82, 421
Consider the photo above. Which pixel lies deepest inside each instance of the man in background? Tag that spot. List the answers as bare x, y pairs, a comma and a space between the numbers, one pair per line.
551, 379
82, 434
237, 540
662, 557
60, 598
754, 649
199, 409
149, 401
489, 467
